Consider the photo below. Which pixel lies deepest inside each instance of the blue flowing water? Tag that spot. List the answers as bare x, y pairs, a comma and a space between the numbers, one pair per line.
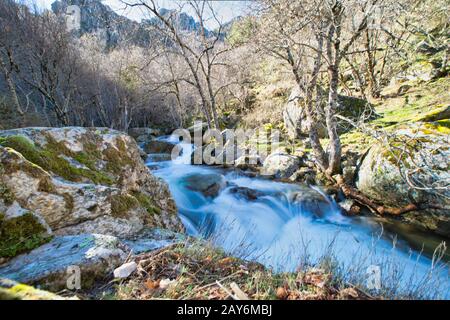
284, 235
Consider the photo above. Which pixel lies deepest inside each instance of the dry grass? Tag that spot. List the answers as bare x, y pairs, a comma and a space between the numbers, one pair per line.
195, 270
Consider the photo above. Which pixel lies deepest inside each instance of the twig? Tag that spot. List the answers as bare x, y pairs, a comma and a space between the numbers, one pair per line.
239, 293
227, 291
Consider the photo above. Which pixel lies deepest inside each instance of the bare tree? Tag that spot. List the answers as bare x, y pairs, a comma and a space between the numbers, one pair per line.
11, 16
201, 50
314, 37
50, 64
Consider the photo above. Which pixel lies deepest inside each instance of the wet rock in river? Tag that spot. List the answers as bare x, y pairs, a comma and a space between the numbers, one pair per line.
209, 185
311, 201
281, 165
156, 146
246, 193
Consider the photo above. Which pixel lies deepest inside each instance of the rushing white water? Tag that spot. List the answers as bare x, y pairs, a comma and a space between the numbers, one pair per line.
272, 228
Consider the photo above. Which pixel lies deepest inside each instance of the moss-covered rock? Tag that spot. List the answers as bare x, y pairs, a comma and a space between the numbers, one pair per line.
95, 255
53, 158
209, 185
412, 168
83, 180
12, 290
156, 146
21, 231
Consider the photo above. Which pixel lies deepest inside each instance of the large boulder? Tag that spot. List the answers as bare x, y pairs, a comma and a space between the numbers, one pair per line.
92, 257
158, 146
310, 201
82, 180
413, 168
142, 134
281, 166
297, 124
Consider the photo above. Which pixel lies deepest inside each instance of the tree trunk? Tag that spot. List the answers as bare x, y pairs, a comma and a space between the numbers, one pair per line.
12, 88
316, 146
333, 44
334, 156
373, 85
356, 195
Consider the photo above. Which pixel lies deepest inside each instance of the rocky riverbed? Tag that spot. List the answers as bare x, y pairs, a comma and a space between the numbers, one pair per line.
84, 197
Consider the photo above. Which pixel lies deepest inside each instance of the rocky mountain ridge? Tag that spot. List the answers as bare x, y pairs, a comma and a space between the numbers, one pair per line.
114, 29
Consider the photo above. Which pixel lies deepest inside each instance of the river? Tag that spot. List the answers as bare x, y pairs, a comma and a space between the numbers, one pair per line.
274, 223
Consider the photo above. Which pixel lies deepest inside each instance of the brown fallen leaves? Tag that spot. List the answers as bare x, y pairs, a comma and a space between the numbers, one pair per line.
282, 293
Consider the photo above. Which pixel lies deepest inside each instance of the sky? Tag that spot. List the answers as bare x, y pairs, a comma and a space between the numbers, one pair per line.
225, 9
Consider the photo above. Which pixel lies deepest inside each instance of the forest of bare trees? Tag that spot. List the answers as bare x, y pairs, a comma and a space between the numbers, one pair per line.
50, 77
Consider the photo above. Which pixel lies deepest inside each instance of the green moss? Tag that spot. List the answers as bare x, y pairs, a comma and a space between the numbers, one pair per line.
441, 126
425, 102
117, 158
146, 202
10, 290
6, 194
91, 151
49, 158
121, 205
399, 152
20, 234
439, 113
357, 139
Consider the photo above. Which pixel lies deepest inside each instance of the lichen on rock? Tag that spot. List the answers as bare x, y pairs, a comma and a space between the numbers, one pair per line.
12, 290
82, 180
412, 168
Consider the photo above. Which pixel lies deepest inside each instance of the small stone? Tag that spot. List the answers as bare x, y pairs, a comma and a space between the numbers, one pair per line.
125, 270
350, 207
165, 283
347, 204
